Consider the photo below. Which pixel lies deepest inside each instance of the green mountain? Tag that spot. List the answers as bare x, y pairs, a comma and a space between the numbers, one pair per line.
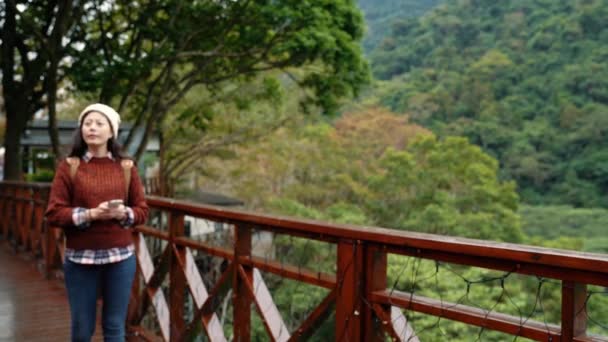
380, 14
525, 79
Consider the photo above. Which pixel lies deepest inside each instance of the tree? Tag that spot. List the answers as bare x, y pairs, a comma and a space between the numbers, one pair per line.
145, 56
34, 36
445, 187
146, 59
205, 125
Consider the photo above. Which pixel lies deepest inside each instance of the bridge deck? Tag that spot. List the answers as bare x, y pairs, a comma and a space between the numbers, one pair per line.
31, 307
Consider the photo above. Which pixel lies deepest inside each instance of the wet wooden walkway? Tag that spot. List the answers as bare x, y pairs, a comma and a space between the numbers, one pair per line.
32, 308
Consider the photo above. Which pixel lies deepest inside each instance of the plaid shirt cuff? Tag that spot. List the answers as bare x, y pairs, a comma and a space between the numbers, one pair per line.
128, 222
79, 217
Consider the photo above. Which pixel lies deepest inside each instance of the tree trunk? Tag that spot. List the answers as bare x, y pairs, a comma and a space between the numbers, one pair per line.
16, 120
63, 20
11, 142
52, 107
23, 93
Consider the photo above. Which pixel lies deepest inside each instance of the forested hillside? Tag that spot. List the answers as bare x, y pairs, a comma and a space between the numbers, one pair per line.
467, 68
456, 71
380, 14
374, 168
525, 79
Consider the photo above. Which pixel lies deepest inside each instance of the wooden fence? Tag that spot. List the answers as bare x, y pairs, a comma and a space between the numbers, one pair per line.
364, 307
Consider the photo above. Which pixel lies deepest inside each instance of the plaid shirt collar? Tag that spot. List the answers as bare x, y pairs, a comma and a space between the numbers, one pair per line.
88, 156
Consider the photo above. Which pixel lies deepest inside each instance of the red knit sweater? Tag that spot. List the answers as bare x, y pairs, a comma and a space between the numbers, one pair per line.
96, 181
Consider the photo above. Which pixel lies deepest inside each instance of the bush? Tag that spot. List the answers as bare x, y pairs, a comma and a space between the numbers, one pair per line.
42, 175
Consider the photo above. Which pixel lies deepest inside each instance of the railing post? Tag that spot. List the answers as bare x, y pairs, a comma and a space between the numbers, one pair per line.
28, 212
20, 237
240, 296
37, 216
574, 315
177, 286
9, 206
375, 279
349, 281
3, 205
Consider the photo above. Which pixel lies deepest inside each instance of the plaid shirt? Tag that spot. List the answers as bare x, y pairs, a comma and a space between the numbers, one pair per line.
98, 256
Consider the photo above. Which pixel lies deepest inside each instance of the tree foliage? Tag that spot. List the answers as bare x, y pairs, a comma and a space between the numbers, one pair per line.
447, 187
526, 80
380, 15
206, 124
375, 168
33, 59
554, 222
143, 57
147, 57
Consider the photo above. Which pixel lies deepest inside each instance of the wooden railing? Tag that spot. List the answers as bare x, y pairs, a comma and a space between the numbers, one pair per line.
22, 208
152, 185
364, 304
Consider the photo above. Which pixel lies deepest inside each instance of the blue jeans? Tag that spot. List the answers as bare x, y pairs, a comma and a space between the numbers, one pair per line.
82, 282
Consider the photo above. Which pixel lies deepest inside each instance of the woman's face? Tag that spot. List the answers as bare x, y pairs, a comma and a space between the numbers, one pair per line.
96, 129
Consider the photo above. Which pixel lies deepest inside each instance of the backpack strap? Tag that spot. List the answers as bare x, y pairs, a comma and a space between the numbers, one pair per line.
74, 162
127, 164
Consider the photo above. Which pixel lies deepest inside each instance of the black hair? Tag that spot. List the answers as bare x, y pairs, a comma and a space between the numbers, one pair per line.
79, 146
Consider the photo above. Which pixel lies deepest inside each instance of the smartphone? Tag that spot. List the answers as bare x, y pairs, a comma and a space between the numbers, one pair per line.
115, 203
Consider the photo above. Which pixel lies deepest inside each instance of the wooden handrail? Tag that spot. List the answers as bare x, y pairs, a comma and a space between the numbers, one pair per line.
358, 289
397, 239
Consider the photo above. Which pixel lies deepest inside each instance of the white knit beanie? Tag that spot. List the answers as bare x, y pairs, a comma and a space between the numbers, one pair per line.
108, 111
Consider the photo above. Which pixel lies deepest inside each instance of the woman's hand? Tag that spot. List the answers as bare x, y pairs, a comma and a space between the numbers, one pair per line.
104, 212
119, 213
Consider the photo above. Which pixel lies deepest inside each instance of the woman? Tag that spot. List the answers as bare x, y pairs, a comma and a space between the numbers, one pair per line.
86, 199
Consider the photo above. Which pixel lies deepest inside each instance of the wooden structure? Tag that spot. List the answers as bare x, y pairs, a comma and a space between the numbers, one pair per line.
365, 308
31, 308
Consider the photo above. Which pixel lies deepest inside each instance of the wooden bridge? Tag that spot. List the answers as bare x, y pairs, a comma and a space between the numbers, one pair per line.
179, 294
